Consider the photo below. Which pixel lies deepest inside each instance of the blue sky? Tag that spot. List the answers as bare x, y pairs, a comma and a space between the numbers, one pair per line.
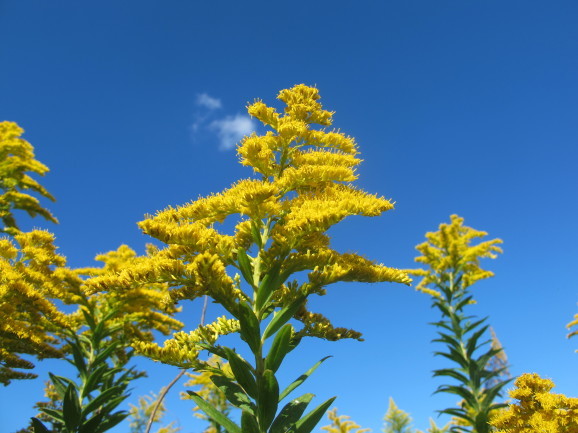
458, 107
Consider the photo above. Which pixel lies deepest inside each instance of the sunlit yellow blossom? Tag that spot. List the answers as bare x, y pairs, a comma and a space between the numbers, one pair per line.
537, 409
265, 234
16, 161
32, 278
451, 249
183, 348
342, 424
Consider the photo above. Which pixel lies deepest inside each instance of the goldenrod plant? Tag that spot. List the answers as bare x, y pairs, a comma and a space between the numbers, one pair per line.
279, 255
140, 414
397, 420
17, 163
97, 344
32, 274
537, 409
33, 279
453, 266
342, 424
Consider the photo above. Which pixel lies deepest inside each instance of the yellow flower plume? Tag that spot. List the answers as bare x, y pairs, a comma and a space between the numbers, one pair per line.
16, 162
537, 409
450, 250
304, 185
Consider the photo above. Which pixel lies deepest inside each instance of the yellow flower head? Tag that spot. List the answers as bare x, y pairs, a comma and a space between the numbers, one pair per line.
537, 409
450, 251
266, 229
16, 162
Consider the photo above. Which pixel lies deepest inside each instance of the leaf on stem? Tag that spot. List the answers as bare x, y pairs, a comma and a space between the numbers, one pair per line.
301, 379
279, 348
268, 399
309, 421
214, 414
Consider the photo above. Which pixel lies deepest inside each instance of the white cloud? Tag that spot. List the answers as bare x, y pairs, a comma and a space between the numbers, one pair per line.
231, 129
207, 101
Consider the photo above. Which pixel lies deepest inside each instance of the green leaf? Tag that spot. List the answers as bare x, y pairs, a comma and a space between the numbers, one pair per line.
91, 425
92, 381
88, 317
243, 374
472, 343
249, 423
459, 391
268, 399
271, 282
214, 414
451, 373
290, 414
283, 316
105, 354
250, 329
103, 398
301, 379
56, 414
234, 393
309, 421
279, 348
61, 384
38, 426
111, 420
245, 266
78, 356
71, 409
256, 234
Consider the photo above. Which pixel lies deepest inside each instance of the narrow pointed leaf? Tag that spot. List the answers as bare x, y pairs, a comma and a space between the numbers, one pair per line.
102, 398
283, 316
301, 379
61, 384
245, 266
249, 423
309, 421
279, 348
56, 414
111, 421
242, 374
71, 409
38, 426
268, 399
234, 393
250, 329
214, 414
290, 414
271, 282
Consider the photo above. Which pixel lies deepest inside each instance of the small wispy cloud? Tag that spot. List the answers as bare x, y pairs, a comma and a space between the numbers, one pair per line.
232, 129
207, 101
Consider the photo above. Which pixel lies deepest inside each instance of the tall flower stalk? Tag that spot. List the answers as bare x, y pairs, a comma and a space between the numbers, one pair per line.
279, 254
453, 266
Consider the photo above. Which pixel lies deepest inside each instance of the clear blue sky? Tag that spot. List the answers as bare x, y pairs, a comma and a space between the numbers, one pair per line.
458, 107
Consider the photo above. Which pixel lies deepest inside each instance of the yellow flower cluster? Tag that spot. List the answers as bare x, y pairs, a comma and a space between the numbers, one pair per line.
140, 309
342, 424
537, 410
16, 161
32, 277
183, 348
280, 223
449, 251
